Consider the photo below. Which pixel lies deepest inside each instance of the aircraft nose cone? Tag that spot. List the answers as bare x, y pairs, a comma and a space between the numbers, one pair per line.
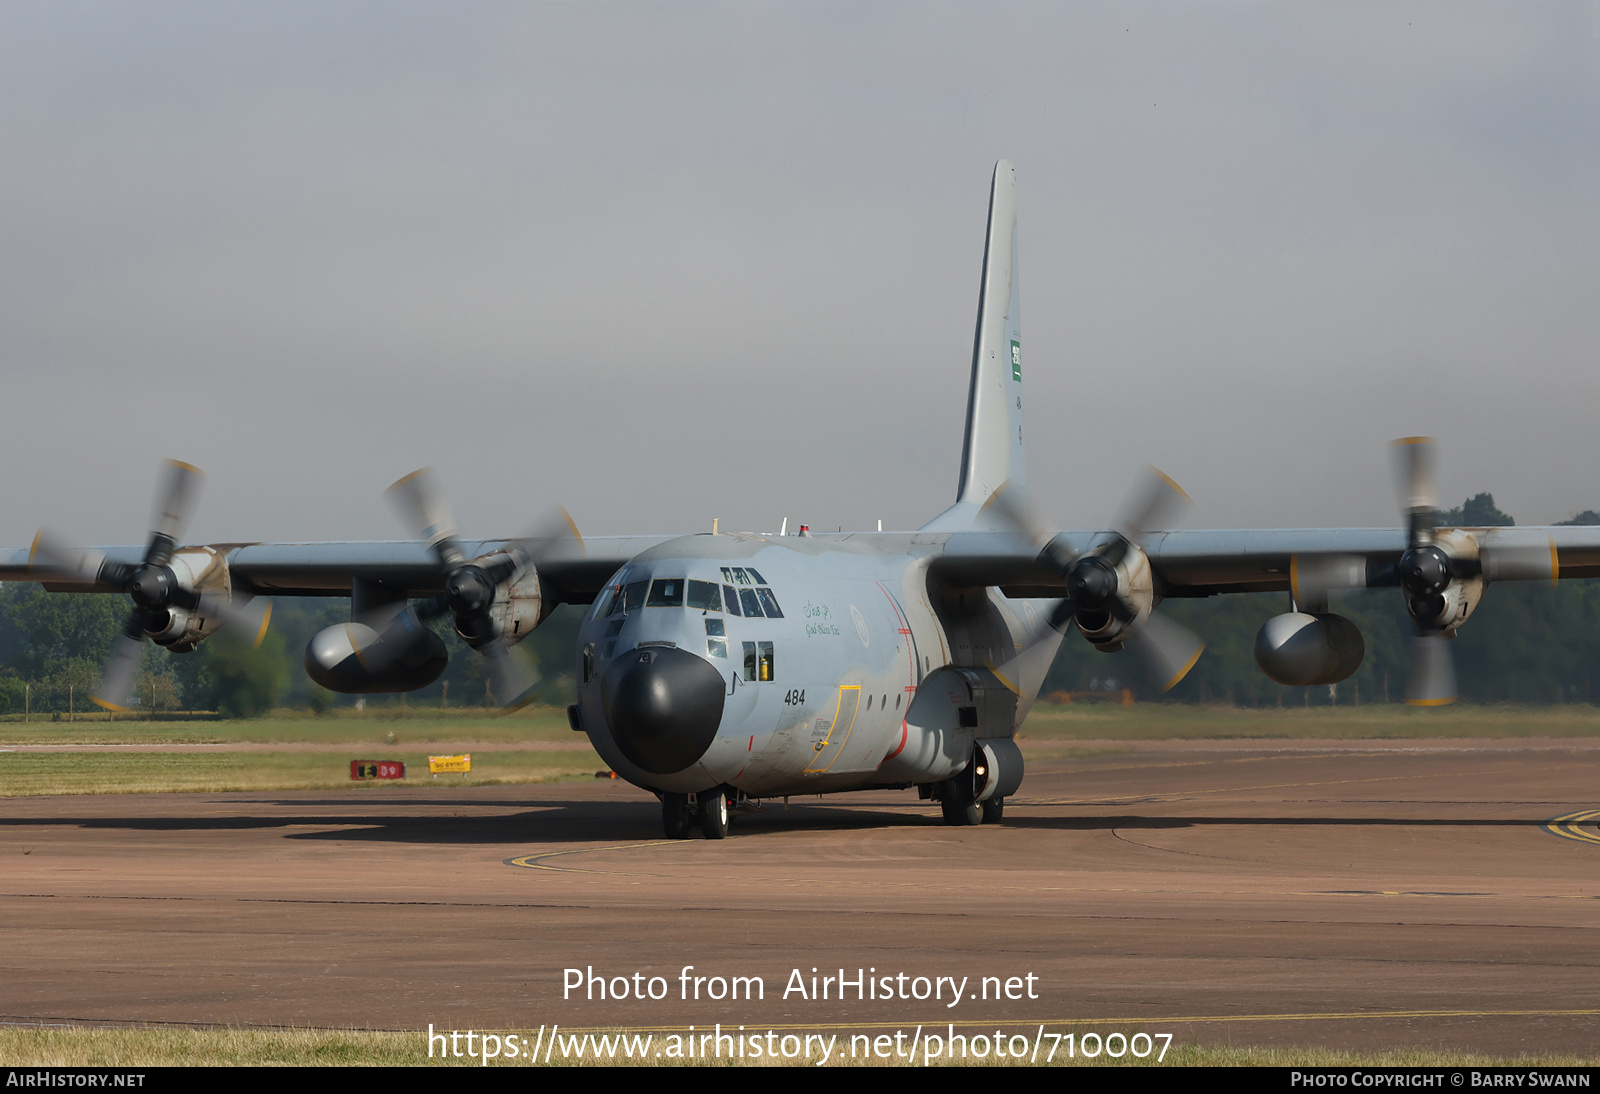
663, 706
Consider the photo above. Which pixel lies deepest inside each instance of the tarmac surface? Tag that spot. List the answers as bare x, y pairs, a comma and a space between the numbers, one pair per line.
1362, 895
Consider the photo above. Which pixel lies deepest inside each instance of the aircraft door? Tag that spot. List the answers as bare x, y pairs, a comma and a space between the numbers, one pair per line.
830, 731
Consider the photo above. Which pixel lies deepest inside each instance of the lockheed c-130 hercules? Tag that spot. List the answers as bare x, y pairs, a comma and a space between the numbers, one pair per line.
718, 669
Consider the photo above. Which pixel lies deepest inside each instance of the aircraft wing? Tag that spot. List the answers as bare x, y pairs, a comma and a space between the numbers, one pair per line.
570, 573
1208, 562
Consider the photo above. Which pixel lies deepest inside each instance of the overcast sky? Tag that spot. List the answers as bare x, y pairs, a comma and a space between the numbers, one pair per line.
670, 262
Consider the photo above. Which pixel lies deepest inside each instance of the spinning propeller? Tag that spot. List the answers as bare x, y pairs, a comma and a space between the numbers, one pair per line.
1110, 596
161, 602
1425, 574
1437, 580
471, 585
1442, 572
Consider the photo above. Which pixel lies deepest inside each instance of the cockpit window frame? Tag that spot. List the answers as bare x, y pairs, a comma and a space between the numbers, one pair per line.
697, 598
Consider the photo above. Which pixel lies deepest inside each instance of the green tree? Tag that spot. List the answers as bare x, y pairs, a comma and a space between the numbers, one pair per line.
236, 680
12, 694
1476, 512
51, 629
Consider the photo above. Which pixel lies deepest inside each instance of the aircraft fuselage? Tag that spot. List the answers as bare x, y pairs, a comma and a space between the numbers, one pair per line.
790, 665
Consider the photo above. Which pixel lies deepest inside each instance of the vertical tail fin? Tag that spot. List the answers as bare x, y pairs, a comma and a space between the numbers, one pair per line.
992, 454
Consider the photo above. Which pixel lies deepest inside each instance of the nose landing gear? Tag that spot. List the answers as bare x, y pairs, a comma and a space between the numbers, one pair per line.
714, 814
710, 808
675, 815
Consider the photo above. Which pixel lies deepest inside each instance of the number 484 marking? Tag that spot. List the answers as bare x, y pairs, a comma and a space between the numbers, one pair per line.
796, 697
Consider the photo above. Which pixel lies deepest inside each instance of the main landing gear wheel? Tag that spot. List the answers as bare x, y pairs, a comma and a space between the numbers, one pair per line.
961, 813
714, 814
993, 809
956, 799
675, 815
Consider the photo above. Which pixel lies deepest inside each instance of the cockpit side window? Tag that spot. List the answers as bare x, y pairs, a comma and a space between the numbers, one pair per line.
705, 595
755, 573
632, 598
770, 603
752, 606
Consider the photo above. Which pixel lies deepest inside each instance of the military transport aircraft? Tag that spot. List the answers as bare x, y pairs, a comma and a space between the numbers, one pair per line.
718, 669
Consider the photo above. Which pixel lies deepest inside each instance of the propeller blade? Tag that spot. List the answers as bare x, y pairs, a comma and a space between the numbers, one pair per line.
121, 675
1024, 673
1313, 577
556, 531
1168, 649
511, 680
248, 617
385, 636
62, 563
1414, 461
1432, 679
424, 509
175, 500
1013, 510
1503, 558
1155, 502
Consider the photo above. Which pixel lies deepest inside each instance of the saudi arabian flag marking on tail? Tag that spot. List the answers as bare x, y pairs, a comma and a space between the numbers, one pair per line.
1016, 360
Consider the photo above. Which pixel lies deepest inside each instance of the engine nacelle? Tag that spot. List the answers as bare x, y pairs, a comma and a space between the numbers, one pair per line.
1135, 589
1300, 649
198, 569
1444, 610
356, 659
518, 606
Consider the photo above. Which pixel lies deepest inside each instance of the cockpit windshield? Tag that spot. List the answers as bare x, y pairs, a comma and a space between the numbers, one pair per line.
666, 593
705, 595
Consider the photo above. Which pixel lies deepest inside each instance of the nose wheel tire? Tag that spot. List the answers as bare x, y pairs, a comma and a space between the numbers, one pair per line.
675, 815
714, 814
993, 809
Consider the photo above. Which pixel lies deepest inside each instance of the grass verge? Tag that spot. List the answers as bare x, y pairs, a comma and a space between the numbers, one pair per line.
26, 774
134, 1047
1161, 721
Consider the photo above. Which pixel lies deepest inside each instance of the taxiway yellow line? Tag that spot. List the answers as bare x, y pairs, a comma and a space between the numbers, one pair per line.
1567, 827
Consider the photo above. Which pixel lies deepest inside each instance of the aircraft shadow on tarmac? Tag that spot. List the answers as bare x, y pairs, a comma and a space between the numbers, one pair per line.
1128, 820
552, 821
560, 821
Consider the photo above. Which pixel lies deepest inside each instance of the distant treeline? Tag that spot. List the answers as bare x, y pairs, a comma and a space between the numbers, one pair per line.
53, 647
1527, 642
